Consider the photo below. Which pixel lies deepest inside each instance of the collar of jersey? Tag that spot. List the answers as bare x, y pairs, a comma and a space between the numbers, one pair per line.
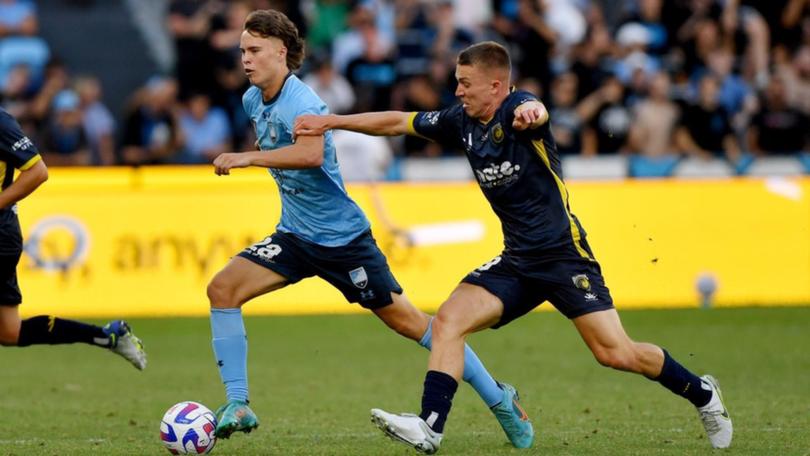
278, 94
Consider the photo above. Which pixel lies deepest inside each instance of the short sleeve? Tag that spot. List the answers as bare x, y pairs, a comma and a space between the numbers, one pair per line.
443, 127
516, 99
15, 148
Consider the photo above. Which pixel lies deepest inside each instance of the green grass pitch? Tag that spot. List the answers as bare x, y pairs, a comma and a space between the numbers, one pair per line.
313, 380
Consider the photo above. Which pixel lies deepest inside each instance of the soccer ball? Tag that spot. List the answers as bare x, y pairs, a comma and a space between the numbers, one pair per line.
188, 428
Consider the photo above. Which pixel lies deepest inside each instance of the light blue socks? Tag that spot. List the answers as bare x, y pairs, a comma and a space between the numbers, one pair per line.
474, 372
230, 350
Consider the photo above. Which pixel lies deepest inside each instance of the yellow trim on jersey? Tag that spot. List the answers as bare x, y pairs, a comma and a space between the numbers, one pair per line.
575, 233
33, 161
411, 128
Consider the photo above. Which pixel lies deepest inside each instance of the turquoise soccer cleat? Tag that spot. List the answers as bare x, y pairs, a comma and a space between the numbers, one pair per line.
235, 416
513, 419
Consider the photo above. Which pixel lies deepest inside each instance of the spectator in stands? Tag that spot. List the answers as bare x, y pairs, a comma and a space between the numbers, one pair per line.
654, 121
734, 91
328, 19
421, 95
98, 121
632, 40
228, 72
648, 14
796, 76
56, 79
704, 129
778, 128
189, 23
566, 123
65, 143
150, 129
373, 73
362, 158
607, 120
590, 62
16, 94
524, 24
18, 18
204, 131
362, 38
330, 85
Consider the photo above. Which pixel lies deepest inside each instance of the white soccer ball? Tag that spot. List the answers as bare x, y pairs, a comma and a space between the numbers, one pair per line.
188, 428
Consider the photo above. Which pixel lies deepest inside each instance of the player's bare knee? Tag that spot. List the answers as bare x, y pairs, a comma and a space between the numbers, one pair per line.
446, 327
220, 295
9, 337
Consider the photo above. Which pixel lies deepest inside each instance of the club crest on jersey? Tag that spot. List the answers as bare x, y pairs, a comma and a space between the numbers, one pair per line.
497, 133
359, 277
581, 281
272, 131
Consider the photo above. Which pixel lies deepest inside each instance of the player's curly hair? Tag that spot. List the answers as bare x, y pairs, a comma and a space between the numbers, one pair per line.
272, 23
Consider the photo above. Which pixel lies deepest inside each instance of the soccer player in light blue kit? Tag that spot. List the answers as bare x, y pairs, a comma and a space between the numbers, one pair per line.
321, 232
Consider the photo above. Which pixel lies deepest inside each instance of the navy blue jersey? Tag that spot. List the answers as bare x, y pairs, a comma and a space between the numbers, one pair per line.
520, 175
16, 150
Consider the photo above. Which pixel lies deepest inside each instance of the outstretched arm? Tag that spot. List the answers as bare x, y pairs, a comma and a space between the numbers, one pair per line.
386, 123
307, 152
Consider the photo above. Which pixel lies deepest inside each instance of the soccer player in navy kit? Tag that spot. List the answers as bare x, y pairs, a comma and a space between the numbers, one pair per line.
322, 232
507, 139
18, 152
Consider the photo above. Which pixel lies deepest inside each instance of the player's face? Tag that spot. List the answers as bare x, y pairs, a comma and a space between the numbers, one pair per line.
263, 59
477, 90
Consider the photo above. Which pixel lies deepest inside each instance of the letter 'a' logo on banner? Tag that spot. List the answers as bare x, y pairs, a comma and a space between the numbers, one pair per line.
359, 277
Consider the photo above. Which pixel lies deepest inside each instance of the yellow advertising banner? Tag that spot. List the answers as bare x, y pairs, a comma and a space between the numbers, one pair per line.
145, 242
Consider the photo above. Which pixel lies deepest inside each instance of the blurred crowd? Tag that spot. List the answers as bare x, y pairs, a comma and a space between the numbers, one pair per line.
655, 80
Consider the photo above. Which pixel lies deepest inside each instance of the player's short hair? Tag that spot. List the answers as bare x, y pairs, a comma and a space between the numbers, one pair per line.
272, 23
487, 54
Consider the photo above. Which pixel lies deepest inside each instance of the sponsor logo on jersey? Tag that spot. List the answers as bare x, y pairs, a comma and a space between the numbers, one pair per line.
22, 144
496, 175
432, 117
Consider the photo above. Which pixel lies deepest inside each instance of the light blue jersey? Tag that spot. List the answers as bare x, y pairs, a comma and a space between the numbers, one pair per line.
314, 202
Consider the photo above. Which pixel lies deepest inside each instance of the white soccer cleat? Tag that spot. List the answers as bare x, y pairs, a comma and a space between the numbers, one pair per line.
715, 417
408, 429
125, 343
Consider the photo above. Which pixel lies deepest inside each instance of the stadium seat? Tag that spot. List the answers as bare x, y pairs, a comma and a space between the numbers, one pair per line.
23, 50
599, 167
804, 157
436, 169
699, 168
776, 166
641, 166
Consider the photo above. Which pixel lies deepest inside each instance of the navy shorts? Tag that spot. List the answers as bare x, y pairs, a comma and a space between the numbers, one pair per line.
574, 287
359, 269
11, 247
